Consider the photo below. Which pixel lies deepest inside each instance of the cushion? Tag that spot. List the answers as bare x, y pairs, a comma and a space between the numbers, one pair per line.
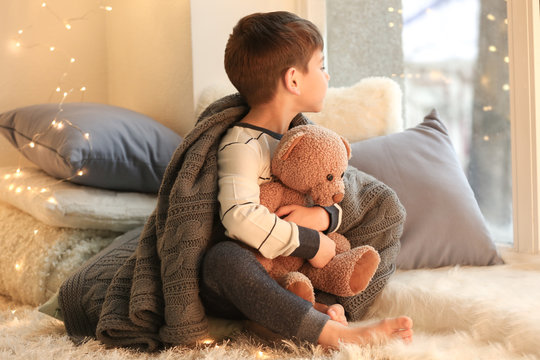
125, 150
444, 225
368, 108
64, 204
36, 258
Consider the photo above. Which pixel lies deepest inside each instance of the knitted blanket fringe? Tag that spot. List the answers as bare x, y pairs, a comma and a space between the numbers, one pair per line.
142, 291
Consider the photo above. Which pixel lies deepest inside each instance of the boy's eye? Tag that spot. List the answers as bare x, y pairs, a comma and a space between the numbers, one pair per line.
329, 177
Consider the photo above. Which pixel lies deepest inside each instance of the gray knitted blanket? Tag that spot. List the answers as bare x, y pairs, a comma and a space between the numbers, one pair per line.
142, 290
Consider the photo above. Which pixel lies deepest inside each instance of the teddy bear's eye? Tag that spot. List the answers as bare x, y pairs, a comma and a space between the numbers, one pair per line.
329, 177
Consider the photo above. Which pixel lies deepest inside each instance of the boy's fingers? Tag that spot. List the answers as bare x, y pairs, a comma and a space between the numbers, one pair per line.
284, 210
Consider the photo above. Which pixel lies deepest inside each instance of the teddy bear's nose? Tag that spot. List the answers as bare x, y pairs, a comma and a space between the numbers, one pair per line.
337, 197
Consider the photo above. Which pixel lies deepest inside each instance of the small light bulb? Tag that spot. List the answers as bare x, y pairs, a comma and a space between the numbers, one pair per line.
72, 60
83, 88
68, 26
18, 190
391, 24
52, 200
108, 8
11, 187
390, 9
58, 89
43, 190
60, 125
87, 136
17, 267
80, 173
36, 231
492, 48
20, 32
18, 44
486, 138
18, 172
506, 87
43, 4
52, 48
490, 17
29, 188
507, 59
487, 108
32, 144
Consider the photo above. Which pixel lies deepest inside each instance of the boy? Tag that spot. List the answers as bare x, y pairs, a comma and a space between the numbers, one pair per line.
276, 63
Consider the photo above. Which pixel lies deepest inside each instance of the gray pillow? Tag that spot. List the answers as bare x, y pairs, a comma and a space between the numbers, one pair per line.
444, 225
126, 150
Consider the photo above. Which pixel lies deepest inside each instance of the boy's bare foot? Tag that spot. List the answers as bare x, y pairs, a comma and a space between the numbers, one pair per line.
334, 333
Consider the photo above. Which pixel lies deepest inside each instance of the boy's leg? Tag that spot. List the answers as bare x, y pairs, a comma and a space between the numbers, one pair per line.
235, 285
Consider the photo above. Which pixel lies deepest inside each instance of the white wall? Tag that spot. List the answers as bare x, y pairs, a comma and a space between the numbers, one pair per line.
149, 60
154, 57
30, 74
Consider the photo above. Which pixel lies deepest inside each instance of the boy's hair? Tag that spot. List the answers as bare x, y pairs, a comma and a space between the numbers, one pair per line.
263, 46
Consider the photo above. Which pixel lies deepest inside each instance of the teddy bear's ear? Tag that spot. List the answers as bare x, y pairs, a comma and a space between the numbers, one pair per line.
347, 146
286, 150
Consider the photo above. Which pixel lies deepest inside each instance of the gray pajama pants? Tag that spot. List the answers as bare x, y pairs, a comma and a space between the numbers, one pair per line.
234, 285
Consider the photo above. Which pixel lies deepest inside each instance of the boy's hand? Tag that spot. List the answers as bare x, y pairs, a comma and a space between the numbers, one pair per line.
327, 250
315, 217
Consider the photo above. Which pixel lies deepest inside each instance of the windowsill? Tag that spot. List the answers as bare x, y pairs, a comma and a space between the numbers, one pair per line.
519, 260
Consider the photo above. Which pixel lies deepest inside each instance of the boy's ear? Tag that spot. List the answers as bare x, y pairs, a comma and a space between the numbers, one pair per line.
291, 81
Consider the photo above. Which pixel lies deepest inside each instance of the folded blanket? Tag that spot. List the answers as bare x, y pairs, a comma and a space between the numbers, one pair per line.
148, 298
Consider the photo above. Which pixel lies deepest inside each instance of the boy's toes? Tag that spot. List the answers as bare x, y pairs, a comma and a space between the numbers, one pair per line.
404, 322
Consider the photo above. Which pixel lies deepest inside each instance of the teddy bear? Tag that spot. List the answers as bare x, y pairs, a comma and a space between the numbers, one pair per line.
307, 169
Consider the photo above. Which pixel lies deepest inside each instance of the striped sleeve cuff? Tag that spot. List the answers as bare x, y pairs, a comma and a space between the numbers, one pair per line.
334, 211
309, 243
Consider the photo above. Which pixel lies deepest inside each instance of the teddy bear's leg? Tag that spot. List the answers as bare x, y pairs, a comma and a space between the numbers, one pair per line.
347, 274
342, 244
298, 284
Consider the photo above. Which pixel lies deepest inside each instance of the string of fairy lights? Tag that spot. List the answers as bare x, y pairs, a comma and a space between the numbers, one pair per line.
58, 123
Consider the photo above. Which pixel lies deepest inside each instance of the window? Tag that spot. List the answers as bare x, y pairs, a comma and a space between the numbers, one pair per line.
382, 28
455, 55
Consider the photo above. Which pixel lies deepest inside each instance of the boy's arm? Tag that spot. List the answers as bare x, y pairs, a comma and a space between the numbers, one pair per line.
325, 219
245, 219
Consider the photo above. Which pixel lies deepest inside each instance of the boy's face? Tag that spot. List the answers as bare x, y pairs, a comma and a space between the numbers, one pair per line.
314, 83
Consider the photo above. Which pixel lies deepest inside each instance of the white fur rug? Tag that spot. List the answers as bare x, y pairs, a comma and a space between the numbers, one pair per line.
459, 313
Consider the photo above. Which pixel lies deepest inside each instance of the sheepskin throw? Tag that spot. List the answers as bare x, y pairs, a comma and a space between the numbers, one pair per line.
152, 298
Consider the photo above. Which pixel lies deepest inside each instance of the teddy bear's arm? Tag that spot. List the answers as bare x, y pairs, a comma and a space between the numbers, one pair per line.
271, 194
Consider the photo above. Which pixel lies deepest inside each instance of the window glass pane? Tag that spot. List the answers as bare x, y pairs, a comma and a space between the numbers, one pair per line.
455, 57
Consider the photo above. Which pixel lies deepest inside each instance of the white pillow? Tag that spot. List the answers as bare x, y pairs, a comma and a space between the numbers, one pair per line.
64, 204
35, 258
369, 108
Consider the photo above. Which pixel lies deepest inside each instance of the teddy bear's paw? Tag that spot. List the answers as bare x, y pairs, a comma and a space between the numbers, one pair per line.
347, 274
298, 284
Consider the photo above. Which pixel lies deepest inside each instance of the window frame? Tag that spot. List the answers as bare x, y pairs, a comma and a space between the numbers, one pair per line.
524, 50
